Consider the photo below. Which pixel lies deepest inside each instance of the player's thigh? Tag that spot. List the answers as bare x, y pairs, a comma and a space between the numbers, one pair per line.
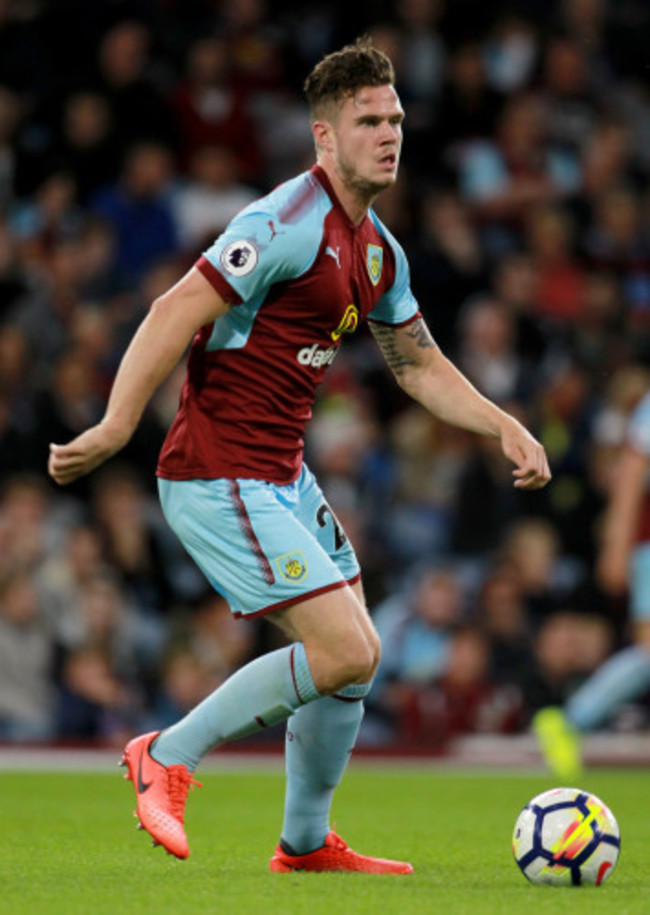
249, 542
315, 513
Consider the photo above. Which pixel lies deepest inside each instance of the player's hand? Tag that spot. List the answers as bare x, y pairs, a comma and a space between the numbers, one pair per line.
527, 454
86, 452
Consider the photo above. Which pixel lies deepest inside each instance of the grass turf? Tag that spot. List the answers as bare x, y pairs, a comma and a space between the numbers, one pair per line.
68, 845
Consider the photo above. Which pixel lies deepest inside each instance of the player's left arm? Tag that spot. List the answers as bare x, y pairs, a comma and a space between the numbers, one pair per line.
430, 378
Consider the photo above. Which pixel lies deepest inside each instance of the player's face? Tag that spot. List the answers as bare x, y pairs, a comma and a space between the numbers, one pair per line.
367, 140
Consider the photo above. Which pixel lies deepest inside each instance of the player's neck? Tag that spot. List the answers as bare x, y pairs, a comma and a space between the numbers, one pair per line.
355, 204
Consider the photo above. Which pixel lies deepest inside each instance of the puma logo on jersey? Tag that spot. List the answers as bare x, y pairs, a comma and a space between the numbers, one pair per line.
316, 355
335, 253
270, 223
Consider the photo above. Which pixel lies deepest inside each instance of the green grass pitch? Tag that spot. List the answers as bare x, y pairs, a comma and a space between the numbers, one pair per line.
68, 845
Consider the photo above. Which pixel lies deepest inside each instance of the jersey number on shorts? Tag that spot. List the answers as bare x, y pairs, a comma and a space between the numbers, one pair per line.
340, 538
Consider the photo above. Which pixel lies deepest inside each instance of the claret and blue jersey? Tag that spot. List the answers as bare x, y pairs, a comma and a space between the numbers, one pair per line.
300, 277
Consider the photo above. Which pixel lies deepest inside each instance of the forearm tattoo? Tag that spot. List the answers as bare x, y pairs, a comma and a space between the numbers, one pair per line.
400, 345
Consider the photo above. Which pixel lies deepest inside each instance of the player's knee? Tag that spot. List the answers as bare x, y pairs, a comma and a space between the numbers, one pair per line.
351, 663
375, 646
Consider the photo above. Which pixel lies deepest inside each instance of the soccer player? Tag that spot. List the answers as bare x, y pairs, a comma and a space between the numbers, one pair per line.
266, 309
624, 560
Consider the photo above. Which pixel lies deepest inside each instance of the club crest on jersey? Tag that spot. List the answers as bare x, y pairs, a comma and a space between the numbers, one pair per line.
349, 322
239, 257
292, 566
374, 261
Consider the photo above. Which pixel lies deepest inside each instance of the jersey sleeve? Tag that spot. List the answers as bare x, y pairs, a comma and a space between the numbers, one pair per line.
254, 253
398, 304
638, 435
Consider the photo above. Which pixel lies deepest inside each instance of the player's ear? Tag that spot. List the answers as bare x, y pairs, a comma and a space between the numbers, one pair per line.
323, 135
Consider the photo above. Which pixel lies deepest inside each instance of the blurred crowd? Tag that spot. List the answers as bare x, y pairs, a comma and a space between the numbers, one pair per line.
130, 134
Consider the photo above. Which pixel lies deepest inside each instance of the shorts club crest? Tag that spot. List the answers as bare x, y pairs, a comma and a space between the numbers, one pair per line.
292, 566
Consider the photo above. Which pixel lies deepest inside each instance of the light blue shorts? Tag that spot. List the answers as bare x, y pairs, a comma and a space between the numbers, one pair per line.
260, 545
640, 583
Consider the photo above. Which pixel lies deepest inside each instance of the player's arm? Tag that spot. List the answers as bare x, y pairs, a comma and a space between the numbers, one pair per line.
621, 519
154, 351
430, 378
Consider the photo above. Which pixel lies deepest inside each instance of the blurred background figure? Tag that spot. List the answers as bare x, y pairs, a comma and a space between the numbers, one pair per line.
210, 109
129, 137
138, 208
27, 698
208, 199
416, 627
623, 565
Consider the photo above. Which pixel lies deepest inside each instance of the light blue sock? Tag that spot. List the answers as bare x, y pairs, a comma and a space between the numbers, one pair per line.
623, 677
262, 693
320, 738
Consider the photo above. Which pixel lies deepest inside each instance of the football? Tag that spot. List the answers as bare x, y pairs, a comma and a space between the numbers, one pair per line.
566, 837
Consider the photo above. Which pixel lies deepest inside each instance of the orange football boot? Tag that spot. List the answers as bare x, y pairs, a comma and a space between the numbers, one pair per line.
335, 855
161, 792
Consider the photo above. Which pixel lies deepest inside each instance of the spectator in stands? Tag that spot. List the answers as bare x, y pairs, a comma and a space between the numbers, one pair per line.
26, 662
130, 524
569, 94
487, 352
511, 52
602, 338
468, 108
88, 147
447, 262
27, 523
49, 217
617, 240
502, 178
76, 561
560, 277
126, 78
568, 647
210, 110
184, 681
138, 209
210, 196
531, 548
72, 398
416, 625
93, 703
607, 160
502, 612
465, 699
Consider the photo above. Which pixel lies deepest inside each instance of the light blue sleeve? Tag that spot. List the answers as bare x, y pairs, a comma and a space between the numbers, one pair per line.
639, 429
398, 304
256, 251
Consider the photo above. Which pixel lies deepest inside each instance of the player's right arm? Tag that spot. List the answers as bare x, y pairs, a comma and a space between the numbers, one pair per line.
621, 519
431, 379
154, 351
